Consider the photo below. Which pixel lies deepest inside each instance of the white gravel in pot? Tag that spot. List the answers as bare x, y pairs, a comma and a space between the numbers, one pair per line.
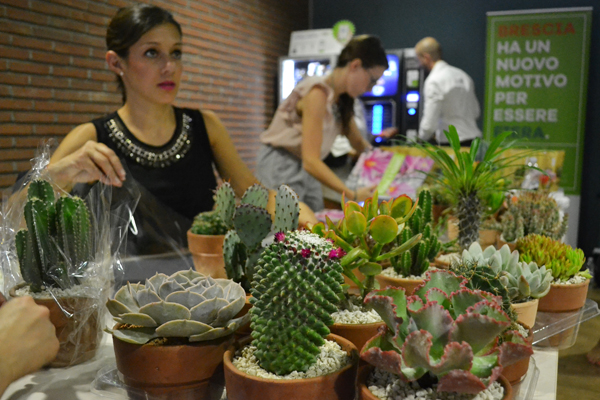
393, 274
332, 358
572, 281
355, 314
388, 386
74, 291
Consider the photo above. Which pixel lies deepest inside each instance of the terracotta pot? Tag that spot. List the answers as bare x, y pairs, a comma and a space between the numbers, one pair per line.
562, 298
358, 334
365, 394
170, 372
76, 320
515, 373
339, 385
526, 312
488, 237
408, 284
437, 210
207, 254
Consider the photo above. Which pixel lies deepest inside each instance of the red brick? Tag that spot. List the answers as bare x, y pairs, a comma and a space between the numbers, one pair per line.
16, 129
7, 52
28, 67
72, 49
50, 58
53, 106
47, 8
75, 118
90, 107
85, 85
13, 154
25, 16
30, 43
5, 116
101, 9
33, 117
51, 129
49, 81
31, 92
17, 27
7, 180
11, 104
102, 76
70, 72
87, 62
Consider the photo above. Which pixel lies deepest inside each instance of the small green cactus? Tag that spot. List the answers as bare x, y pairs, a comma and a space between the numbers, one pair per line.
296, 286
57, 244
564, 261
208, 223
416, 260
186, 304
533, 212
250, 223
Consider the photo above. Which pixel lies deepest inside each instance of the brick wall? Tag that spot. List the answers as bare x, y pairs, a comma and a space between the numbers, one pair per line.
53, 75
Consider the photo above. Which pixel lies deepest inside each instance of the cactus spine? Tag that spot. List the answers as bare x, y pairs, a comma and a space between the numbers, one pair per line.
56, 245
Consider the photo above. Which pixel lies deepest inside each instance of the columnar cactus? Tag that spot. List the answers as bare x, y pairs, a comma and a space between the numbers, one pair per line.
533, 212
445, 330
296, 286
250, 223
416, 260
186, 304
57, 244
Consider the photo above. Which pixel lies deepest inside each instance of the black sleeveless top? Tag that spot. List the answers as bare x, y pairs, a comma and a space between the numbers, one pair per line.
180, 173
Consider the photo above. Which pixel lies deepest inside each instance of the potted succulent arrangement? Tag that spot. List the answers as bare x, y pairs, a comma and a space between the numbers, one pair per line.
469, 181
445, 337
569, 287
56, 255
532, 212
408, 269
205, 242
296, 285
172, 332
366, 237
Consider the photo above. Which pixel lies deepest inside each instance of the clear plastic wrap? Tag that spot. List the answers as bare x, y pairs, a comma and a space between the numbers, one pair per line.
64, 253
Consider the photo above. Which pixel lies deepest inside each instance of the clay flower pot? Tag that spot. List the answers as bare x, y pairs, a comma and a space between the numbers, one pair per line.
526, 311
339, 385
365, 394
207, 254
488, 237
515, 373
358, 334
76, 320
408, 284
170, 372
562, 298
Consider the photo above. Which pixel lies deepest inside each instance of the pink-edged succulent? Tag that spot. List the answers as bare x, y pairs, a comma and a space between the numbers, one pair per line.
459, 335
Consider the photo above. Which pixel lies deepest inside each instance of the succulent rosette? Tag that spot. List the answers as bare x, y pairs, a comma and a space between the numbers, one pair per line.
186, 304
456, 334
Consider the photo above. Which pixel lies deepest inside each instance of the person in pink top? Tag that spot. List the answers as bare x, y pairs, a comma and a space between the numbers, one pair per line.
306, 124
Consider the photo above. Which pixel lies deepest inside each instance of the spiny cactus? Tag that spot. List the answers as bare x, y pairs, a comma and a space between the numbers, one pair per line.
445, 330
523, 280
208, 223
416, 260
186, 304
564, 261
366, 233
57, 244
533, 212
250, 223
296, 286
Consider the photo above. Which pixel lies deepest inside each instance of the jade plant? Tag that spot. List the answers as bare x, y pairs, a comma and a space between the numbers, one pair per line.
523, 280
468, 181
416, 260
249, 223
564, 261
367, 234
444, 331
208, 223
296, 286
533, 212
56, 247
186, 304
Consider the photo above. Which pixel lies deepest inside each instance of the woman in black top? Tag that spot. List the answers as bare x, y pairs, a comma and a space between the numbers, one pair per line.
168, 150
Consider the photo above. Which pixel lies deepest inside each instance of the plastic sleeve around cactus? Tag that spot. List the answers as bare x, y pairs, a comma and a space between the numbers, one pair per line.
79, 311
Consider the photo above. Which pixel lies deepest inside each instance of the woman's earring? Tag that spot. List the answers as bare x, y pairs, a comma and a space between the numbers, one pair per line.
121, 73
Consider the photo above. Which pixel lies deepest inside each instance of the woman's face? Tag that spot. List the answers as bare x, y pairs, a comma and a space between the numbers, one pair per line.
153, 67
362, 80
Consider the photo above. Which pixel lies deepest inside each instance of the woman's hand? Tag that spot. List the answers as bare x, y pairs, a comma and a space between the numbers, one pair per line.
92, 162
363, 193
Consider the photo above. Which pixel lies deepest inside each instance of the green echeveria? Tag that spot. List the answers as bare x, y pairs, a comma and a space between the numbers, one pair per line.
186, 304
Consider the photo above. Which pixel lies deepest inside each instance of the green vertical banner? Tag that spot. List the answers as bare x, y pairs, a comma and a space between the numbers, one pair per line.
536, 81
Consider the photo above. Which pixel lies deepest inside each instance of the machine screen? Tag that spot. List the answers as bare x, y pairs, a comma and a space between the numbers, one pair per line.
293, 71
387, 85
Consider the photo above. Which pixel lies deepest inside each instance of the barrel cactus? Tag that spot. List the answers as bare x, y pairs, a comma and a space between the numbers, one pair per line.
56, 247
249, 223
296, 286
416, 260
186, 304
444, 330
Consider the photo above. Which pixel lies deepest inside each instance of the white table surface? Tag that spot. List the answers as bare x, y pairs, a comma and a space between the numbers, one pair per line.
75, 383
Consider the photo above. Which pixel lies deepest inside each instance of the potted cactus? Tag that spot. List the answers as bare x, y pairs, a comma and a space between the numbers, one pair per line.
297, 284
55, 252
407, 270
445, 335
569, 287
172, 332
205, 242
532, 212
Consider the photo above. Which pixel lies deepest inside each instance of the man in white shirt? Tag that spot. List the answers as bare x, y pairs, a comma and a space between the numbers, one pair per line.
449, 97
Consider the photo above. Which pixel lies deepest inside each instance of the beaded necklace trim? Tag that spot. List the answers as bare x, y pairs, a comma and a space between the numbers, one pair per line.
147, 158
